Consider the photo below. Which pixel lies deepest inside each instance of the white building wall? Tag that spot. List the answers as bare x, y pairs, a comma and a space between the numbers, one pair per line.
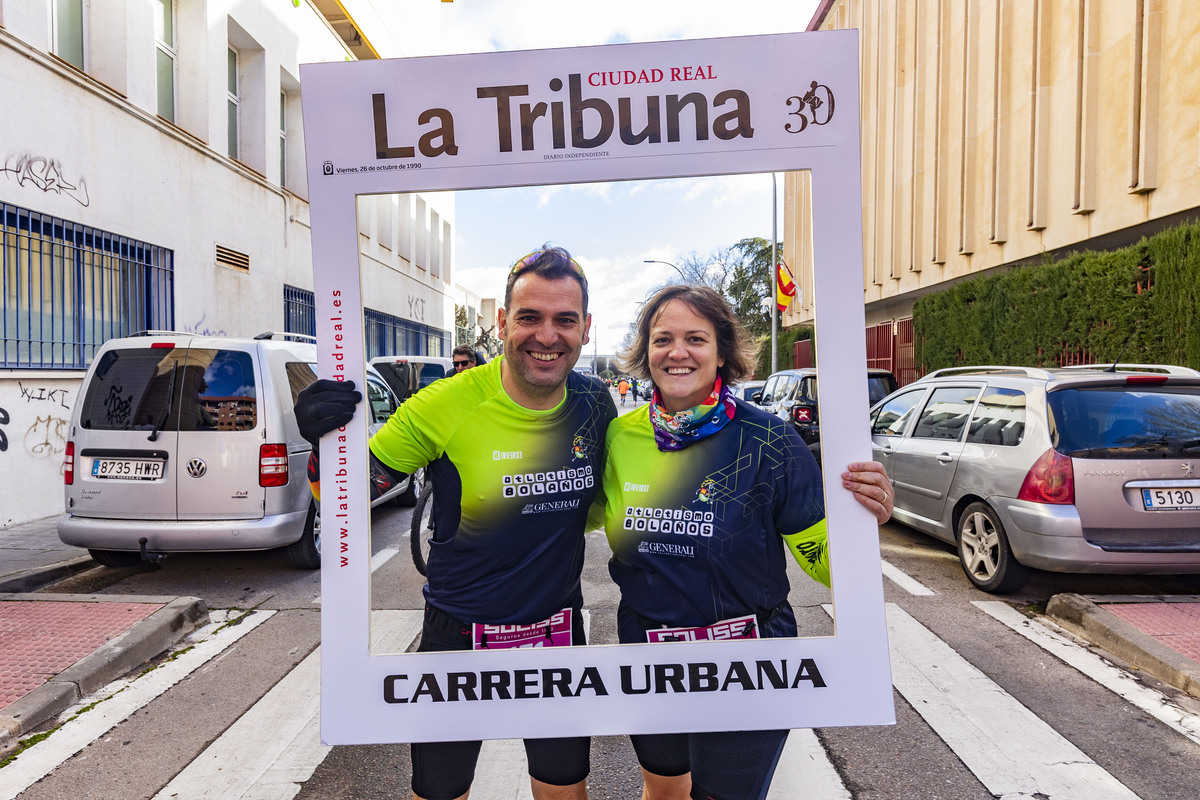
172, 185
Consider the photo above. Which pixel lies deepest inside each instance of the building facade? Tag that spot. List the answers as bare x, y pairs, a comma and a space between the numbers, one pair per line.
153, 177
995, 132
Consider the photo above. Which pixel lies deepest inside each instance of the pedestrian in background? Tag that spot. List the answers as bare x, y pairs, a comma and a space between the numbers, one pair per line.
463, 358
623, 389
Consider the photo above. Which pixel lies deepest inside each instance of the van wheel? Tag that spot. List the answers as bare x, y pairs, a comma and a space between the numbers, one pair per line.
305, 552
984, 553
408, 498
115, 558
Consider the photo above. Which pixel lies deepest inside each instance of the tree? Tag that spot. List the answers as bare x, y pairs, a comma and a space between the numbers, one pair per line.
714, 270
487, 343
462, 329
742, 273
752, 279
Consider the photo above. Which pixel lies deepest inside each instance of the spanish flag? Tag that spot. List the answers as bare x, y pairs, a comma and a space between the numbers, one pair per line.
785, 287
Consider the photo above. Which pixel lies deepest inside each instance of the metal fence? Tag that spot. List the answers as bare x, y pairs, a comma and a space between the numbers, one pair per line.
68, 288
890, 346
387, 334
299, 311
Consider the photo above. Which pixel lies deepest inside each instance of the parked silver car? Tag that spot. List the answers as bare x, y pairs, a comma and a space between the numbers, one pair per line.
1086, 469
189, 443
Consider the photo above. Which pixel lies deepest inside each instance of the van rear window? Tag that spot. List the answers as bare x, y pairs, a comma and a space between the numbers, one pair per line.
1114, 422
429, 374
170, 390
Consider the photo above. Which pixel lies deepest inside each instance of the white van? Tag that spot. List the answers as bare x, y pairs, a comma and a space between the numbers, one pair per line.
184, 443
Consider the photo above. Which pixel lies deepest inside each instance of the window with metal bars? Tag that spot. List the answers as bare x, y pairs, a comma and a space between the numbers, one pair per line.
388, 335
68, 288
299, 311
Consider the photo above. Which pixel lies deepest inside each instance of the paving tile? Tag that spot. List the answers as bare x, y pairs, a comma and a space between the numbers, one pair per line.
39, 639
1177, 625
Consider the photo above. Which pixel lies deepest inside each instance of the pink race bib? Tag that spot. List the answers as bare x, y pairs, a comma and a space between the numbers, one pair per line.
736, 628
553, 632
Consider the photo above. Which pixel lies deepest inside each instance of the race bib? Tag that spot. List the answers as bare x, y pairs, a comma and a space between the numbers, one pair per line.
736, 628
553, 632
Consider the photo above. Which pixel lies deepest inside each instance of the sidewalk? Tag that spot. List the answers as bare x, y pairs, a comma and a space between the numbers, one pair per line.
58, 648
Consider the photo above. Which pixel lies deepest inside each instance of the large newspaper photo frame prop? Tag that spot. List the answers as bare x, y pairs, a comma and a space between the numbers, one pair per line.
725, 106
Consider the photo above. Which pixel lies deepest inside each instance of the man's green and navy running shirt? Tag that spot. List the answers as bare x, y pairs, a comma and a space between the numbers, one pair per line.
700, 535
511, 491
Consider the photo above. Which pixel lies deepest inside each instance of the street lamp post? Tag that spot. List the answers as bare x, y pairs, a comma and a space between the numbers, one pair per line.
669, 264
771, 282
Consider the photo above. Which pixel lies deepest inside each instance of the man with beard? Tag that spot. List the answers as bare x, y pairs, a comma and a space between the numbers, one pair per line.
520, 434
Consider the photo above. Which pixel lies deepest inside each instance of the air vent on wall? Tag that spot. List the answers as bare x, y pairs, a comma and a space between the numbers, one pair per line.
233, 259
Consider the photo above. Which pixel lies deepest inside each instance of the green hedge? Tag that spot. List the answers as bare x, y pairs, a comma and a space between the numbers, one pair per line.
1136, 304
784, 341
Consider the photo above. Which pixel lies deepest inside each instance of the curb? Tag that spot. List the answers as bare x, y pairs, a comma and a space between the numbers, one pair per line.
146, 639
33, 579
1081, 616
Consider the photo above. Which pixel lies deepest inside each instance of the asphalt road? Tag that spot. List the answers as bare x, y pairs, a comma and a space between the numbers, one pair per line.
1014, 704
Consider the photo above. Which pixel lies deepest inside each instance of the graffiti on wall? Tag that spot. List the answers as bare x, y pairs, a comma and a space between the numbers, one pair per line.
46, 174
46, 436
200, 329
30, 394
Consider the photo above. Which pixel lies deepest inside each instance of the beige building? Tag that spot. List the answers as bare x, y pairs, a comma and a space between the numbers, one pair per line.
997, 131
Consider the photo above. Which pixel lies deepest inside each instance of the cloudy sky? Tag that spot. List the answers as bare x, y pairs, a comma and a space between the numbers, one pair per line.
611, 228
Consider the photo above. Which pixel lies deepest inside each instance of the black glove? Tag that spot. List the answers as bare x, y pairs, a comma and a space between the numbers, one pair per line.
324, 406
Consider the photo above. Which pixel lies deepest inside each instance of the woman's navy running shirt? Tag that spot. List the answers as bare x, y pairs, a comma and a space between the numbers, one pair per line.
698, 534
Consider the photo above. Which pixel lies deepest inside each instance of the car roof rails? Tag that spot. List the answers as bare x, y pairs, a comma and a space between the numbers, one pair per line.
160, 333
1165, 369
1031, 372
286, 336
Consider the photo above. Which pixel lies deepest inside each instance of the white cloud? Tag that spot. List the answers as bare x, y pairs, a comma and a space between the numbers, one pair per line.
611, 228
471, 26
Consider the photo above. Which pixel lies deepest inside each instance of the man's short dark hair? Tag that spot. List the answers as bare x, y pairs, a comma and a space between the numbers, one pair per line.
552, 263
465, 350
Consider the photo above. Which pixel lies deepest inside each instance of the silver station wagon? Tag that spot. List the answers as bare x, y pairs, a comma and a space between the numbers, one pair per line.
1082, 469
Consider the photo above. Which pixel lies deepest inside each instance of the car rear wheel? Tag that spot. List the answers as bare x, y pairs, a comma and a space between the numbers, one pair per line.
305, 552
408, 498
984, 553
115, 558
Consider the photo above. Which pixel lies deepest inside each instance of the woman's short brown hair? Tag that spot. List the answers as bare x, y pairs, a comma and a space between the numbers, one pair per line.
733, 342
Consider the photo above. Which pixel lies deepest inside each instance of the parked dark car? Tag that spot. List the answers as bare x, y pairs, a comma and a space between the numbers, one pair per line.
406, 375
1093, 469
791, 394
747, 389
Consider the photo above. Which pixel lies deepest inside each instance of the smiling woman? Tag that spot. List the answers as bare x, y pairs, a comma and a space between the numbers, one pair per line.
704, 496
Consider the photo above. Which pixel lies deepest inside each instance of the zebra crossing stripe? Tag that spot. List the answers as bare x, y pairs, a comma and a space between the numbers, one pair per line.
1010, 749
246, 758
906, 581
805, 771
1102, 672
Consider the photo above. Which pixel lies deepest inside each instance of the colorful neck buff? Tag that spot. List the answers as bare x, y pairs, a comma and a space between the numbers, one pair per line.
683, 428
